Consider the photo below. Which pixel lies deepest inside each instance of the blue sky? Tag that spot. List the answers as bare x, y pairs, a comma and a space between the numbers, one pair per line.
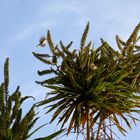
23, 22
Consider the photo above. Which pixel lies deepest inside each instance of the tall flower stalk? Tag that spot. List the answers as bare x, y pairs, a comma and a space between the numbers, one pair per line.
13, 125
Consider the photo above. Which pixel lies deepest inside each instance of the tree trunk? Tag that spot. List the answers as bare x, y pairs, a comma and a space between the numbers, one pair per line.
99, 129
88, 125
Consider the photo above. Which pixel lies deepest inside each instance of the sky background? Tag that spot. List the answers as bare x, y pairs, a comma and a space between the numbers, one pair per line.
23, 22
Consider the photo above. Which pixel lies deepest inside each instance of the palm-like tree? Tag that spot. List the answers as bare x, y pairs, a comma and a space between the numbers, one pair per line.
13, 125
93, 87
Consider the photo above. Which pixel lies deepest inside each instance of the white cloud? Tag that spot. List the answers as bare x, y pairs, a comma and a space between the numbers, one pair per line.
49, 16
23, 34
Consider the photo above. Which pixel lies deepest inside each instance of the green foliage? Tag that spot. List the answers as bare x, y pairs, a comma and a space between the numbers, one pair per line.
50, 137
93, 86
13, 125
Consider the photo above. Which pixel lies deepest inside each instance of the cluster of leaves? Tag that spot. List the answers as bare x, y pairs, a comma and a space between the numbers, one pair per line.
93, 87
13, 125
